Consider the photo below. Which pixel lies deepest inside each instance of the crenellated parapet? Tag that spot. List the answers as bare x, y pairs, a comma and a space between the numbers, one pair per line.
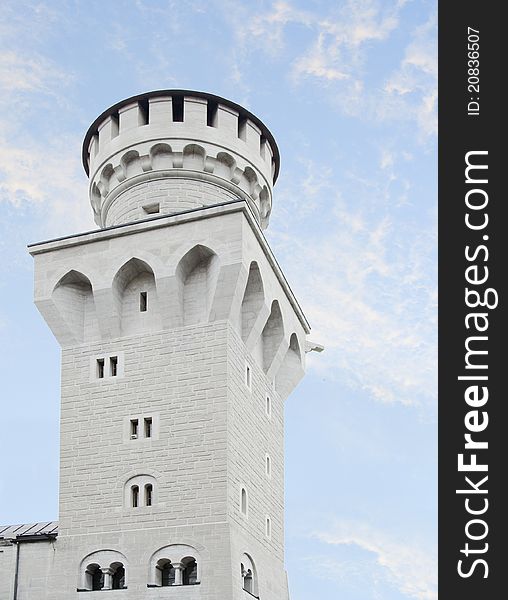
169, 151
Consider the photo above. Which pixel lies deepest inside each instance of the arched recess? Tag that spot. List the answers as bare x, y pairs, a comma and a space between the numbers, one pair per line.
194, 157
161, 157
197, 273
131, 163
264, 206
73, 297
106, 175
273, 333
250, 178
103, 570
135, 296
249, 575
224, 165
176, 564
291, 369
96, 200
252, 302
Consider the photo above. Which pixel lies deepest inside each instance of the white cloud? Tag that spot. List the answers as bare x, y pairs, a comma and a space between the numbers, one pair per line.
47, 180
339, 56
319, 62
412, 88
29, 73
39, 174
411, 568
368, 287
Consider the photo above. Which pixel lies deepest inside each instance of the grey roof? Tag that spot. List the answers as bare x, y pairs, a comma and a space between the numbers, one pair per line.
29, 530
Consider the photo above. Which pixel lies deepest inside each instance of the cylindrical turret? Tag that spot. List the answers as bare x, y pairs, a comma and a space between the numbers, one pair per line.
167, 151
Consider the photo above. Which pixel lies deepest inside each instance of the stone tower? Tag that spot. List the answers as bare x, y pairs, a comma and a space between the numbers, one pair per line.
181, 339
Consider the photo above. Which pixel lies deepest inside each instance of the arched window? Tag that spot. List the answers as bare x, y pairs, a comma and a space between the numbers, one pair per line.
244, 502
148, 494
166, 573
176, 564
190, 571
247, 579
135, 496
94, 577
140, 491
103, 570
249, 575
117, 576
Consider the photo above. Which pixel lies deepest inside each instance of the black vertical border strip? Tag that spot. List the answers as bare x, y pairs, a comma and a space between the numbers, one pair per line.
459, 134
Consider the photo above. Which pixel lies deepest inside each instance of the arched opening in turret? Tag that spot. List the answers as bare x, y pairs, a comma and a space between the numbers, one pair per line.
248, 180
264, 206
161, 157
197, 272
131, 164
291, 369
106, 176
96, 202
135, 295
252, 302
224, 165
194, 157
273, 333
74, 299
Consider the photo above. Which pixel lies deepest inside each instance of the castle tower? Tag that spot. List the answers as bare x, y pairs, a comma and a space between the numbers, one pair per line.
181, 339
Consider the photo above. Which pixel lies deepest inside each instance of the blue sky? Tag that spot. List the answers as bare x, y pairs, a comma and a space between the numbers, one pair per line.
348, 89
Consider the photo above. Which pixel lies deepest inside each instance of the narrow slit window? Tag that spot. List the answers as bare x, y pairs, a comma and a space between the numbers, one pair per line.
268, 527
148, 494
268, 406
178, 108
135, 496
134, 429
211, 113
113, 366
148, 427
100, 368
142, 302
244, 501
242, 128
248, 376
268, 466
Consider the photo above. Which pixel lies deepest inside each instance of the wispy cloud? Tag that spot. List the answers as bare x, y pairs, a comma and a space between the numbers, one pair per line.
413, 86
411, 568
340, 54
38, 173
368, 287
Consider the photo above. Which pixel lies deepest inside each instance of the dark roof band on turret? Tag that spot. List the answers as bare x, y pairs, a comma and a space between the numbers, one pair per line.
92, 130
